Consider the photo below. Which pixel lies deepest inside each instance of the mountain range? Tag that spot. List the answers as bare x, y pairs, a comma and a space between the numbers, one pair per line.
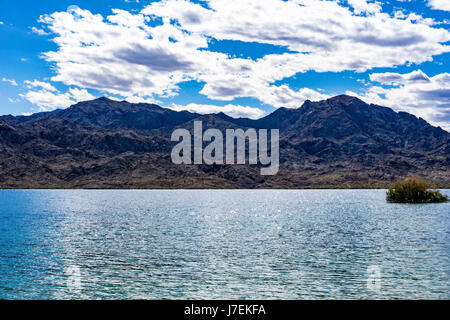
103, 143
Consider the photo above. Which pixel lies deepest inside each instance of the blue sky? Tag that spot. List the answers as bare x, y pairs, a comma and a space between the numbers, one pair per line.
244, 57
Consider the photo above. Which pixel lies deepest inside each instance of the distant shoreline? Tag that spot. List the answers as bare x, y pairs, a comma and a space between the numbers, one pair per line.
218, 188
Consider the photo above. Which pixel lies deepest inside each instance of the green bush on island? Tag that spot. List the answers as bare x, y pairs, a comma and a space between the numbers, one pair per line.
414, 190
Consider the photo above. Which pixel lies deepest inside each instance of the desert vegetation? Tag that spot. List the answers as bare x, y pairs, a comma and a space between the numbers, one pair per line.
414, 190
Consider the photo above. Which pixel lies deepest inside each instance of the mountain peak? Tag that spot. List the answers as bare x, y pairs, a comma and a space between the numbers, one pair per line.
104, 99
345, 99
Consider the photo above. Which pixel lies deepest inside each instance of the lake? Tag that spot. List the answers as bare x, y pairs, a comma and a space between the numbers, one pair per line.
227, 244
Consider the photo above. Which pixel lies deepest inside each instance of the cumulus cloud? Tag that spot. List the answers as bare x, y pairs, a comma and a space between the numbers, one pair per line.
328, 36
390, 78
416, 93
137, 99
288, 98
235, 111
10, 81
49, 98
363, 6
122, 55
439, 4
147, 54
12, 100
414, 17
36, 84
39, 31
80, 94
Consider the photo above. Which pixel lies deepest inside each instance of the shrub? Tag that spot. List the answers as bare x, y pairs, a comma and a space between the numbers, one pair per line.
414, 190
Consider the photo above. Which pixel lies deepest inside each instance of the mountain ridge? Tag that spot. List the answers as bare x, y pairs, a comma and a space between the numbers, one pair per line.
103, 143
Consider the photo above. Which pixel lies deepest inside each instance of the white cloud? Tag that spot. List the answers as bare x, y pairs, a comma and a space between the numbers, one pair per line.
39, 31
10, 81
48, 98
329, 36
283, 96
399, 14
416, 93
439, 4
80, 94
123, 55
235, 111
1, 22
389, 78
417, 18
11, 100
43, 85
115, 98
363, 6
117, 55
420, 19
137, 99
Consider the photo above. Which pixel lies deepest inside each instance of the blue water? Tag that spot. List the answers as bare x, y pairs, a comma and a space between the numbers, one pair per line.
228, 244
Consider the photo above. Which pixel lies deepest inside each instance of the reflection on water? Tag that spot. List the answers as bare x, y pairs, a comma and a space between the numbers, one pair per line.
229, 244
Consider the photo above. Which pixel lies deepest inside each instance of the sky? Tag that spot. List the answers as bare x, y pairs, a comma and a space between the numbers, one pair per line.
242, 57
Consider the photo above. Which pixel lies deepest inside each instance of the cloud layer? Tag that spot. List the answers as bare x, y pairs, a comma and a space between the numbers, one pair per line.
415, 92
146, 55
47, 97
443, 5
10, 81
235, 111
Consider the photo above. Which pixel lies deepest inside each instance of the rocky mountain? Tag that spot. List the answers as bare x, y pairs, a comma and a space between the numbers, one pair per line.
339, 142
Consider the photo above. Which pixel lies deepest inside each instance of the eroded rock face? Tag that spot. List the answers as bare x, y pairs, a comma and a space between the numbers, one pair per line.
339, 142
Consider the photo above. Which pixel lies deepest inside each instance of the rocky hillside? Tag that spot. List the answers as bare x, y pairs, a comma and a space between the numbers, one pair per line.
339, 142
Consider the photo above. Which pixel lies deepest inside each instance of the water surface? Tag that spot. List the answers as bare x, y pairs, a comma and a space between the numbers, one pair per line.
228, 244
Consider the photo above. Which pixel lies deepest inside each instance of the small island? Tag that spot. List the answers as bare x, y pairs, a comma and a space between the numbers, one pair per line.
414, 190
